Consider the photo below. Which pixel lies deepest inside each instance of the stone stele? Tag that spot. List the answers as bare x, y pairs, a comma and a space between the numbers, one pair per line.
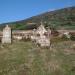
6, 35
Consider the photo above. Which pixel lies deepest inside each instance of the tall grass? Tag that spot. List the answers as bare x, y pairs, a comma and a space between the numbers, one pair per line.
25, 58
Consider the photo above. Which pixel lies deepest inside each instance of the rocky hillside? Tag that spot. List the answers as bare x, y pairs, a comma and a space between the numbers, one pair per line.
59, 19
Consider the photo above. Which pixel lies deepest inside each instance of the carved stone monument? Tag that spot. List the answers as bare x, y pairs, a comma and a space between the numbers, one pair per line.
6, 35
41, 37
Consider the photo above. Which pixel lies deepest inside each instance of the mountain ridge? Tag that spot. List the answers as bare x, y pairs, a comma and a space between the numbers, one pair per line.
54, 19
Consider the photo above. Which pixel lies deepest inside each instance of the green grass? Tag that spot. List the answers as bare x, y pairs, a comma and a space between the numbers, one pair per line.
24, 58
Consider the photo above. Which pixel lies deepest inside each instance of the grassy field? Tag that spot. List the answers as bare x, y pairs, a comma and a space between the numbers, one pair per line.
24, 58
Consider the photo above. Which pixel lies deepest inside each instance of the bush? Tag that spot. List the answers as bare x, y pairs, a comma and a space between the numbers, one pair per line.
64, 37
72, 37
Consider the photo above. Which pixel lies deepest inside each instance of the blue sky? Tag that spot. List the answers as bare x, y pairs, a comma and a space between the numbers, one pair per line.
14, 10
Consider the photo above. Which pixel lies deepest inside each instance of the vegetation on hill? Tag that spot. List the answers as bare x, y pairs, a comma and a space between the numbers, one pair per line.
62, 18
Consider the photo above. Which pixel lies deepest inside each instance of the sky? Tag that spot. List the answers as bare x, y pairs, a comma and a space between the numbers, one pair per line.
15, 10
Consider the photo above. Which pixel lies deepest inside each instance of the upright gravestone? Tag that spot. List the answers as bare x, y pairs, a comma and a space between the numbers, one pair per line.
42, 39
6, 35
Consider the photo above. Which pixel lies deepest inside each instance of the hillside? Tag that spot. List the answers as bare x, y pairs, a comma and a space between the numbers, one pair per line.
62, 18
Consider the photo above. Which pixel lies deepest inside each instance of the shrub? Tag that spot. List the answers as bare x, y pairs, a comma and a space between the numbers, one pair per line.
72, 37
64, 37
